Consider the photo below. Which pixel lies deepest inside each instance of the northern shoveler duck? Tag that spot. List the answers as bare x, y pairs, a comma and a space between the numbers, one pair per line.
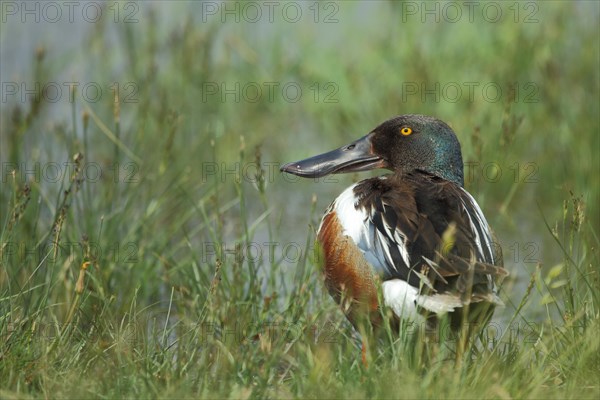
416, 234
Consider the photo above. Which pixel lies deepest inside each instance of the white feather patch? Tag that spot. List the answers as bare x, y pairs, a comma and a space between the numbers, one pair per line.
401, 298
439, 303
404, 299
351, 219
355, 224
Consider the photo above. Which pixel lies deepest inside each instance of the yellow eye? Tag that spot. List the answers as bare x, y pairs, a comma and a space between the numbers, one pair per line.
406, 131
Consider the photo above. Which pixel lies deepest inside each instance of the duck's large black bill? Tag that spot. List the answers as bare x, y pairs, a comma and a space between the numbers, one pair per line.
357, 156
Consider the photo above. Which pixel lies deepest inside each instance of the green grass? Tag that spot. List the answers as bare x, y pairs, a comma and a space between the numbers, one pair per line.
203, 284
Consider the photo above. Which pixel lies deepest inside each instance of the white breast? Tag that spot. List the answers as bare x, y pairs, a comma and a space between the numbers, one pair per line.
356, 225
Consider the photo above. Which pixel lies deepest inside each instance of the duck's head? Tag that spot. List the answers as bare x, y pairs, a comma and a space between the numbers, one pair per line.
402, 144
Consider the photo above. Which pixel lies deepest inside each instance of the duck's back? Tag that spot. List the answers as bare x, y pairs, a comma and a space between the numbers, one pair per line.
425, 238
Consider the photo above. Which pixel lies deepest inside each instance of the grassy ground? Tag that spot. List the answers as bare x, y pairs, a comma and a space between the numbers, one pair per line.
151, 249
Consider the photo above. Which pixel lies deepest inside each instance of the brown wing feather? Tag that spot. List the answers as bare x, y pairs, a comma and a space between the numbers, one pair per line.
436, 223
